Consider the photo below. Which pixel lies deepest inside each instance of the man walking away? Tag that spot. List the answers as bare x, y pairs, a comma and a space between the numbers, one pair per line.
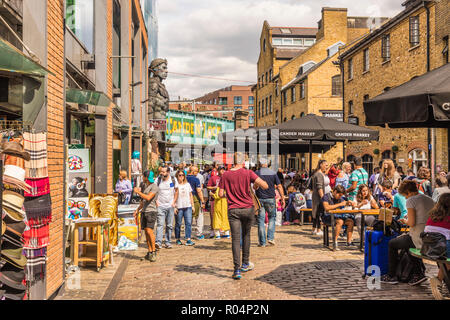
149, 212
199, 201
235, 185
167, 198
268, 203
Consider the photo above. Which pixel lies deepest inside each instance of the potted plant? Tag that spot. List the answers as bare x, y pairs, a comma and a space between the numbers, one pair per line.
376, 151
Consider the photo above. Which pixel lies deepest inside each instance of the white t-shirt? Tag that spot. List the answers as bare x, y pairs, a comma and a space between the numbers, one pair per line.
166, 193
367, 206
422, 204
326, 180
184, 196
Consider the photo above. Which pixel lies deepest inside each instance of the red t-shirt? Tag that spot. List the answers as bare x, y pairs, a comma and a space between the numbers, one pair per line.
332, 174
213, 181
443, 224
237, 187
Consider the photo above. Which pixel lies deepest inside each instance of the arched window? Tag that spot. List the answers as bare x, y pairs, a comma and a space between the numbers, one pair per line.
302, 115
386, 155
351, 159
293, 117
285, 119
368, 163
416, 159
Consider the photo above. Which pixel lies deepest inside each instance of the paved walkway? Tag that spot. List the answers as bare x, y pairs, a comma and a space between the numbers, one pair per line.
297, 268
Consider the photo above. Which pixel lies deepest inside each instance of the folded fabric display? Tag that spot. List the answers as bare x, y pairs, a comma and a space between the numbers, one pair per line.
36, 145
36, 237
38, 187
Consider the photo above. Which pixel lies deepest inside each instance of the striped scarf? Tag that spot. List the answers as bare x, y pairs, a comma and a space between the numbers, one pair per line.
36, 237
36, 145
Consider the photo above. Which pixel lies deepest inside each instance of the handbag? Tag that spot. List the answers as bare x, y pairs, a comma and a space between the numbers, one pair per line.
256, 202
434, 245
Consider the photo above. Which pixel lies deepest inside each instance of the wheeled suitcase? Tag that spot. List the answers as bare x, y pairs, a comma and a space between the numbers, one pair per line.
376, 251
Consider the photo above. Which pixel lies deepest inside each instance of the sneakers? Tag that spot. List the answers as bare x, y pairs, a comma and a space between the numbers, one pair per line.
296, 221
179, 243
261, 245
271, 242
417, 279
350, 244
190, 243
320, 233
388, 279
237, 275
336, 245
167, 246
217, 238
148, 256
202, 237
226, 237
157, 246
436, 288
314, 232
247, 267
286, 223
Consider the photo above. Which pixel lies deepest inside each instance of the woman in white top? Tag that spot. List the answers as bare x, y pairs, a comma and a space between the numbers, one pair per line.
184, 205
364, 201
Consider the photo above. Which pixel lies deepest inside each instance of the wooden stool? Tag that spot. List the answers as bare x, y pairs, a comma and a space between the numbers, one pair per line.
93, 236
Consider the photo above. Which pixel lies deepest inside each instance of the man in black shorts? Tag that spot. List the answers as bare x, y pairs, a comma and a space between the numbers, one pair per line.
148, 212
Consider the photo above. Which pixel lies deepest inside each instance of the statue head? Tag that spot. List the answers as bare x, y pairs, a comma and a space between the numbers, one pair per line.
159, 68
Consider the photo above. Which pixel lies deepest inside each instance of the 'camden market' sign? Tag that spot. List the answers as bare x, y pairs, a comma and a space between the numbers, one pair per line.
195, 129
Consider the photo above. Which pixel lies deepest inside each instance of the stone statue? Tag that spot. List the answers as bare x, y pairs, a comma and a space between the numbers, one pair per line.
158, 95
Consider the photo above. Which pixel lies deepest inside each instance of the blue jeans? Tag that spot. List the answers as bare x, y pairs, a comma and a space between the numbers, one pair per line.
165, 216
269, 206
187, 214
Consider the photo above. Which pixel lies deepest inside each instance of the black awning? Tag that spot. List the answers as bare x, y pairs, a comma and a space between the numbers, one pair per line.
421, 102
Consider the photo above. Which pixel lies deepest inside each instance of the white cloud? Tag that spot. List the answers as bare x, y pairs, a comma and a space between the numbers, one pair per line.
220, 38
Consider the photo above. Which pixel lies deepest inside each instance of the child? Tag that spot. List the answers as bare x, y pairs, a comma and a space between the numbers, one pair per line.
386, 198
296, 202
279, 208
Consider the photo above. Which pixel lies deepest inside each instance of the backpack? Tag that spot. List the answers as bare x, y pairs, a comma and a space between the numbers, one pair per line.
388, 231
298, 201
408, 266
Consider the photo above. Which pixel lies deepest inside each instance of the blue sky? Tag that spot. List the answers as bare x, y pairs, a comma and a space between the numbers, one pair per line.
220, 38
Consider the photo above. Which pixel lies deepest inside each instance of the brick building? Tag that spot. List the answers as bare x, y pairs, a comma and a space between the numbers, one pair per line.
388, 57
84, 89
230, 103
309, 81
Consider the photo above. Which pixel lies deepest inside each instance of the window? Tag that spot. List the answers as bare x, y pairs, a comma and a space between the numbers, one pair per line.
386, 155
267, 106
351, 159
302, 115
336, 86
277, 41
366, 97
414, 31
298, 42
368, 163
250, 109
264, 45
309, 42
238, 108
117, 75
271, 104
293, 94
284, 98
293, 117
237, 100
350, 107
270, 75
267, 78
302, 90
288, 41
251, 100
366, 63
251, 120
350, 68
386, 47
277, 89
259, 110
80, 20
445, 51
332, 50
417, 158
223, 101
262, 108
276, 117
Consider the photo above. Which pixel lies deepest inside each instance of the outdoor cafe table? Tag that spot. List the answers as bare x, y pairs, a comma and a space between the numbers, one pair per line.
332, 213
302, 215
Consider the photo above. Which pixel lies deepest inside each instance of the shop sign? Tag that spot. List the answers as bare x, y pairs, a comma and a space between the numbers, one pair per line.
195, 129
353, 120
333, 114
157, 125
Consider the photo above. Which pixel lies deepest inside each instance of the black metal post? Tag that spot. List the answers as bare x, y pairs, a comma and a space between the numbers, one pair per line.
310, 158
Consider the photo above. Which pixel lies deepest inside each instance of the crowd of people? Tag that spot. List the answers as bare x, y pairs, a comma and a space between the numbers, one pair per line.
232, 194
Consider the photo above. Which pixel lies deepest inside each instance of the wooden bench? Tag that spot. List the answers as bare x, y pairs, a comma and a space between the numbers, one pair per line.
440, 263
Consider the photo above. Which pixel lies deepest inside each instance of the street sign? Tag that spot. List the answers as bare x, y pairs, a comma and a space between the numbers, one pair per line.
157, 125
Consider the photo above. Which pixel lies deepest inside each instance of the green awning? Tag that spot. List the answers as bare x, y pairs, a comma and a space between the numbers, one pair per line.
94, 98
13, 60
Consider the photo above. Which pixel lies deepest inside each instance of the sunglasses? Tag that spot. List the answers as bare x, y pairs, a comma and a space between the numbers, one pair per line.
181, 175
76, 204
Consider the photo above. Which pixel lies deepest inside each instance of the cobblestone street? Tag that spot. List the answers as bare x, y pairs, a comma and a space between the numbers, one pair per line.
297, 268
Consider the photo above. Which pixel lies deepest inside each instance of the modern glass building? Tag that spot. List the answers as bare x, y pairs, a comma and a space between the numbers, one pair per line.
149, 8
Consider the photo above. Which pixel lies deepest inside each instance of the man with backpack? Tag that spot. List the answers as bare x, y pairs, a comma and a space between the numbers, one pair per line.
167, 198
268, 203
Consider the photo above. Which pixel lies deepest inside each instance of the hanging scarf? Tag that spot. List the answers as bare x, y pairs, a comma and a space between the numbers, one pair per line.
39, 187
35, 269
35, 253
36, 145
36, 237
38, 207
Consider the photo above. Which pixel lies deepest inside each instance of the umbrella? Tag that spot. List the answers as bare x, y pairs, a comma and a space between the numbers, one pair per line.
423, 102
316, 128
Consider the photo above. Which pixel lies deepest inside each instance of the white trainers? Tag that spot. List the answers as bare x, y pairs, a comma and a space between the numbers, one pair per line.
314, 232
336, 245
320, 233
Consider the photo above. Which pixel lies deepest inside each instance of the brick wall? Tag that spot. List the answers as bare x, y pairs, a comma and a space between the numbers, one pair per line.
109, 138
405, 63
55, 113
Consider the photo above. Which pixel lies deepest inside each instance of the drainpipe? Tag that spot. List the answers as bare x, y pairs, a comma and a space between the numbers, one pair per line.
431, 131
341, 65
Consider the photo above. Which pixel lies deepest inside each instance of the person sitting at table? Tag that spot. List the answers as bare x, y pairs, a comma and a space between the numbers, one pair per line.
364, 201
386, 197
333, 201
